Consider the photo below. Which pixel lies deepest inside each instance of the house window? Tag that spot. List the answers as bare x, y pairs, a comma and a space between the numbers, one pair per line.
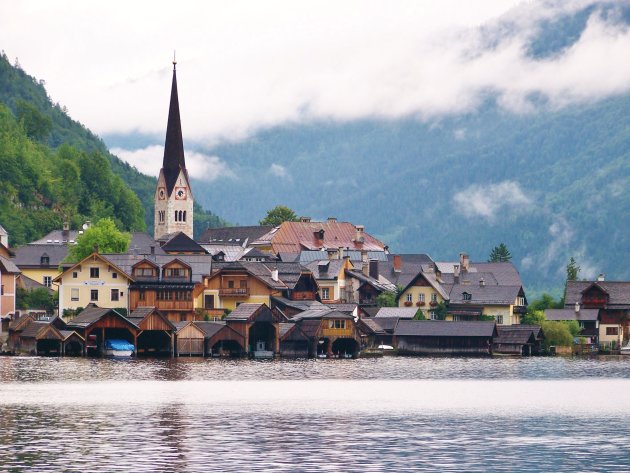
143, 272
114, 275
94, 294
230, 284
45, 260
433, 315
325, 293
409, 297
75, 275
2, 290
433, 297
94, 272
174, 272
47, 281
520, 301
74, 294
499, 319
141, 295
337, 324
421, 297
612, 330
115, 294
467, 297
243, 283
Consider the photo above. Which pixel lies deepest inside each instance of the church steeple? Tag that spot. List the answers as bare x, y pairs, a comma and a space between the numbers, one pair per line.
173, 195
174, 160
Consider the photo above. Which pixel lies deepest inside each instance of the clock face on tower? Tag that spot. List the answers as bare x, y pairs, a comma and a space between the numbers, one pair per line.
162, 193
180, 193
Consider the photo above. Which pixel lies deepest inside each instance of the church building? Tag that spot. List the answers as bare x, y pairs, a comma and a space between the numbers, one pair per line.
173, 195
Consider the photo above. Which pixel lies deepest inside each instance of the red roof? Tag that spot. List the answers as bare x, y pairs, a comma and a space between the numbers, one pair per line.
294, 237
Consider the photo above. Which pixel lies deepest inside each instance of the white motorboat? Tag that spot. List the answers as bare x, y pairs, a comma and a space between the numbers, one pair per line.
118, 348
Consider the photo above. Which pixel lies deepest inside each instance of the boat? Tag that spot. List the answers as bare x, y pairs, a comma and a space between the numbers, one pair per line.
118, 348
261, 351
625, 350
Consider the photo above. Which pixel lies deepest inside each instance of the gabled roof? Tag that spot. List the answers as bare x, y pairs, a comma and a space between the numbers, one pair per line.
27, 283
322, 314
200, 264
503, 274
411, 266
92, 314
248, 312
234, 235
441, 328
514, 335
397, 312
8, 267
209, 328
488, 294
179, 242
585, 315
326, 269
31, 255
293, 237
21, 322
103, 258
139, 314
380, 284
618, 291
309, 327
298, 305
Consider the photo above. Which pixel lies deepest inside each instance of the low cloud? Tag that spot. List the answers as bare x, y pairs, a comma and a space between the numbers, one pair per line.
375, 59
279, 170
489, 200
149, 161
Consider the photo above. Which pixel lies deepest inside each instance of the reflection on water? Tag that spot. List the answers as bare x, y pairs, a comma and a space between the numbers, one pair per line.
28, 369
363, 415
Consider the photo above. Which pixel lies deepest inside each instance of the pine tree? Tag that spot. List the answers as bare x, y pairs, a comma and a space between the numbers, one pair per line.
573, 270
500, 254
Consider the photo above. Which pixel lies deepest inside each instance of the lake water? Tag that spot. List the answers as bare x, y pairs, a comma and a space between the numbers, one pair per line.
389, 414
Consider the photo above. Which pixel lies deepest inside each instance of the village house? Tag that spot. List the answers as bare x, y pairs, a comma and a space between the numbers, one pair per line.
170, 283
232, 284
439, 337
612, 301
9, 273
588, 319
93, 280
330, 275
323, 333
294, 237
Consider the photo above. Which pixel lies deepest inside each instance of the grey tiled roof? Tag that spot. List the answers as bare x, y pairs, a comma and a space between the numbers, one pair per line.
8, 266
91, 315
397, 312
411, 266
308, 256
488, 294
571, 314
441, 328
618, 291
199, 264
230, 252
179, 242
33, 329
514, 335
209, 328
238, 235
30, 255
319, 314
243, 312
325, 269
299, 305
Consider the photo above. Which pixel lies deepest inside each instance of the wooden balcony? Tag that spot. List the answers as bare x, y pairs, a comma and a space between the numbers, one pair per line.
174, 305
337, 332
234, 292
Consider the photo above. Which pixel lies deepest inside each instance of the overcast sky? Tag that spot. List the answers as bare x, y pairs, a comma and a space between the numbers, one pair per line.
243, 66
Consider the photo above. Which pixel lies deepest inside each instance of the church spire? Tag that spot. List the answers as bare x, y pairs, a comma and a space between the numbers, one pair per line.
174, 144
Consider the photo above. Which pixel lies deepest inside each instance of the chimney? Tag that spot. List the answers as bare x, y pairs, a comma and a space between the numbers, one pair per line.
464, 261
305, 219
95, 248
274, 274
397, 264
332, 219
577, 307
66, 229
601, 277
360, 238
374, 269
365, 268
341, 253
456, 273
482, 282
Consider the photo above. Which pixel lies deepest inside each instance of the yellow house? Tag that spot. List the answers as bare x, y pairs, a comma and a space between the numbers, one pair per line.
423, 292
232, 284
505, 304
330, 275
94, 280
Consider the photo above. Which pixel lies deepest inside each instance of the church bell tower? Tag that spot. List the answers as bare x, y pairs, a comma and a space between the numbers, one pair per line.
173, 195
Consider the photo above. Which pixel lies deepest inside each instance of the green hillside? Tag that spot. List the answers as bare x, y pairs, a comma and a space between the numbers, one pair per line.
52, 166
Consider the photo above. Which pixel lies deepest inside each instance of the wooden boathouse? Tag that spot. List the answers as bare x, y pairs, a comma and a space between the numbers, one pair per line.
157, 333
96, 324
439, 337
